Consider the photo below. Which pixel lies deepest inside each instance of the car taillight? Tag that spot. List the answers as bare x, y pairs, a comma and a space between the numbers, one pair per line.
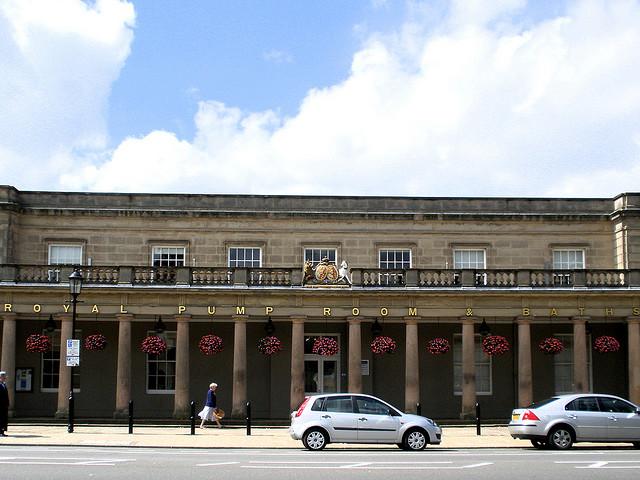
301, 407
529, 415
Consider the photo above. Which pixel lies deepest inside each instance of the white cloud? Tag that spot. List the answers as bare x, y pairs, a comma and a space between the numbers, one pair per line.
478, 106
58, 60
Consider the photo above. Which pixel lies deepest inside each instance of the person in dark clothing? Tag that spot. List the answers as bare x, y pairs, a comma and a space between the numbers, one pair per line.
211, 411
4, 404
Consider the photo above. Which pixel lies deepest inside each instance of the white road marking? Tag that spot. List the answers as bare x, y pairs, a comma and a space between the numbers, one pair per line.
605, 464
62, 461
365, 465
215, 464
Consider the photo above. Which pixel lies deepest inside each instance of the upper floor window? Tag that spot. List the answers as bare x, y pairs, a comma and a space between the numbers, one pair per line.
568, 259
395, 259
315, 255
244, 257
65, 254
467, 259
168, 256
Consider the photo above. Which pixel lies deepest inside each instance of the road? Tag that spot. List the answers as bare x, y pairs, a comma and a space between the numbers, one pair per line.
353, 463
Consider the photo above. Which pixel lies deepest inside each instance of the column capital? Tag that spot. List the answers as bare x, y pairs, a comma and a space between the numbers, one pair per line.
9, 316
182, 318
411, 320
580, 319
354, 320
298, 320
63, 317
469, 320
125, 317
633, 319
240, 318
525, 320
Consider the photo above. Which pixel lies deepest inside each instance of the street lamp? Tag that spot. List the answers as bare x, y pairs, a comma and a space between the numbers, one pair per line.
75, 286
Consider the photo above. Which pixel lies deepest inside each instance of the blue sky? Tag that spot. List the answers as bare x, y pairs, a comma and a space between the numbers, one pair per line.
362, 97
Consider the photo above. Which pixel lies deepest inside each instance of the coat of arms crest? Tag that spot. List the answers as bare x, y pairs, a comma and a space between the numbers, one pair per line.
325, 273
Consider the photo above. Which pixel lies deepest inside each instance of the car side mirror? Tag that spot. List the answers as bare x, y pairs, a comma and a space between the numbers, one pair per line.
637, 411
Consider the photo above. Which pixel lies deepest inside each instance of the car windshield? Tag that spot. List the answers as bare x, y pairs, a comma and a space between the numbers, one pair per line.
542, 402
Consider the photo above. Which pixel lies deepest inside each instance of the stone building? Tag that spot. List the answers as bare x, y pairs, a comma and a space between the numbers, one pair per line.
524, 269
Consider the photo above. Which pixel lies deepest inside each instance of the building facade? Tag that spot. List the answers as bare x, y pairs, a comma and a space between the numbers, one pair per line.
242, 267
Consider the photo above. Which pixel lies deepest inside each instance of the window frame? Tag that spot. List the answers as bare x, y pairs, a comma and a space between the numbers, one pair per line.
53, 245
457, 340
320, 249
395, 251
171, 338
470, 249
245, 248
56, 349
154, 248
568, 250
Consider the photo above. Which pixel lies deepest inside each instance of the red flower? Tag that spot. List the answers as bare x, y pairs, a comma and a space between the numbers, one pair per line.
153, 345
95, 342
210, 344
606, 344
325, 346
269, 345
495, 345
38, 343
382, 345
551, 345
438, 346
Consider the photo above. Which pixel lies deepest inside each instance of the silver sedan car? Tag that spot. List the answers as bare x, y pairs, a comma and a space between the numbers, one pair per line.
561, 421
357, 418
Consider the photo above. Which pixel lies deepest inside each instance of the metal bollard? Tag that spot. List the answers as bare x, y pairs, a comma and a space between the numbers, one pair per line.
478, 419
418, 409
130, 416
193, 417
71, 414
248, 418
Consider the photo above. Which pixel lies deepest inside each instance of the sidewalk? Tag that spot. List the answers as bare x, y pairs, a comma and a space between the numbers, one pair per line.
231, 437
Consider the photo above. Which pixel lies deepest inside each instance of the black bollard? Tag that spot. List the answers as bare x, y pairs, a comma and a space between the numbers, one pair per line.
71, 412
418, 409
193, 417
249, 418
478, 419
130, 416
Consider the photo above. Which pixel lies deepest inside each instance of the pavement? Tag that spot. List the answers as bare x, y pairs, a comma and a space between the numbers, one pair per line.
261, 437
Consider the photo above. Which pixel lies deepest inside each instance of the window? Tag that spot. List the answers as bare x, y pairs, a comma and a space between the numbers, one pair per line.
568, 259
315, 255
321, 374
65, 254
615, 405
245, 257
584, 404
483, 366
369, 406
469, 259
563, 365
168, 256
395, 259
161, 369
50, 365
338, 405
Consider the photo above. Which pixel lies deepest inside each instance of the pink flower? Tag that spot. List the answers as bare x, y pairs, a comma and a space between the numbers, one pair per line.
153, 345
95, 342
38, 343
495, 345
210, 344
325, 346
438, 346
381, 345
606, 344
269, 345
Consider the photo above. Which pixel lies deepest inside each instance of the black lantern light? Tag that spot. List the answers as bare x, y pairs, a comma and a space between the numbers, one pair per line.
270, 328
50, 326
159, 327
484, 328
376, 328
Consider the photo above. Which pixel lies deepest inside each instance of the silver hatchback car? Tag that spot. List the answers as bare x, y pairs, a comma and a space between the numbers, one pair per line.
357, 418
561, 421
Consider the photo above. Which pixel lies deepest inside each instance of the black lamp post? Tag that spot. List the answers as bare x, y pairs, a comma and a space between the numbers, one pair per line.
75, 286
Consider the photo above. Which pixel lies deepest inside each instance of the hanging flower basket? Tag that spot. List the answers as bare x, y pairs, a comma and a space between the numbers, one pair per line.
551, 345
269, 345
606, 344
325, 346
210, 344
495, 345
438, 346
153, 345
96, 342
38, 343
382, 344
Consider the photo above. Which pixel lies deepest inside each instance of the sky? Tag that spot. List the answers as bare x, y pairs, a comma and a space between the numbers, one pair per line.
432, 98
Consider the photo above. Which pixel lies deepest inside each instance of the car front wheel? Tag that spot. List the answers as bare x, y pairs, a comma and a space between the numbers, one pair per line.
414, 440
315, 439
560, 438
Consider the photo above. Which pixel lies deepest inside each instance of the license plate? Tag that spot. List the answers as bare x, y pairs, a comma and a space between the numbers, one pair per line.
515, 416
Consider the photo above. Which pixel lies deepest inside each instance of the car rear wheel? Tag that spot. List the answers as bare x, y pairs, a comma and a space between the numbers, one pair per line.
315, 439
560, 438
539, 443
415, 440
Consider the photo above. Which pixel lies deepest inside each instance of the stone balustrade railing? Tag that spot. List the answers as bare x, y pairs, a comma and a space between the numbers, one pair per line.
292, 277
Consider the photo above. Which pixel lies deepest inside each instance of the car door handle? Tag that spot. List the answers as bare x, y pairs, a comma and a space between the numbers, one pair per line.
571, 416
326, 416
362, 419
613, 418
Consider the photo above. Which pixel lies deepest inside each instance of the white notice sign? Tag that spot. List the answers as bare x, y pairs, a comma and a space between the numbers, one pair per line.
73, 348
73, 361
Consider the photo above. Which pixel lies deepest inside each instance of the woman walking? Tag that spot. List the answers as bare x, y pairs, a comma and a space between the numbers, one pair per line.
209, 412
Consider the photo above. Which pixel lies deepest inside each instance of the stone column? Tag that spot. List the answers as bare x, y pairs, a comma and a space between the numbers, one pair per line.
181, 408
355, 355
580, 371
64, 379
468, 368
412, 368
525, 373
8, 362
239, 367
297, 362
123, 375
633, 326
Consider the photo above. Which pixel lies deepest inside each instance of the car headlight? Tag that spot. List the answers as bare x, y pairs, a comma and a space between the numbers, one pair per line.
431, 422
